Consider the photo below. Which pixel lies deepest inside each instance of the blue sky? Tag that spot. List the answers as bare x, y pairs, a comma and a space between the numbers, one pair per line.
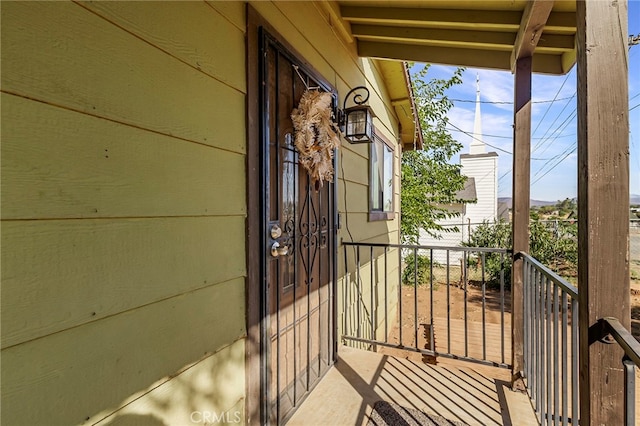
554, 158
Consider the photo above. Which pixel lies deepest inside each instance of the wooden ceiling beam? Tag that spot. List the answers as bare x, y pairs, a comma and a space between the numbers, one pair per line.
435, 54
549, 43
495, 38
534, 18
560, 22
442, 18
493, 59
557, 41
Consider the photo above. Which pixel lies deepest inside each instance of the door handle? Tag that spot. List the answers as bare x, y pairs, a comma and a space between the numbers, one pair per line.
277, 250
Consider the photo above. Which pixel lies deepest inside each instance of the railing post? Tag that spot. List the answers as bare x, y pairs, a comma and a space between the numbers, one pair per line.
629, 391
603, 201
521, 179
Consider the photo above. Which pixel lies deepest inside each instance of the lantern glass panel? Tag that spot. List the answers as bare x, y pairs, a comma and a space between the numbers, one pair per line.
359, 125
356, 123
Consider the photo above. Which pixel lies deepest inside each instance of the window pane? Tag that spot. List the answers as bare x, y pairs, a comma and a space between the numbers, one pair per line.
387, 187
376, 177
381, 176
381, 179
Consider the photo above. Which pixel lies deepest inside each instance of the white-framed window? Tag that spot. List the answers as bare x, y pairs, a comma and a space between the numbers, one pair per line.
381, 176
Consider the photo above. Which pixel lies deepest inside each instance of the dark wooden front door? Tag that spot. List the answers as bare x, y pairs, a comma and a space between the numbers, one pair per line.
300, 244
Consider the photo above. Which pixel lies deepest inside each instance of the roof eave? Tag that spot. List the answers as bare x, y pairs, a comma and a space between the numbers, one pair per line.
474, 34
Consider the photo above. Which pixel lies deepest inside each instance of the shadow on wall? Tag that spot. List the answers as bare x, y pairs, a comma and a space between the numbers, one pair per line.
367, 286
209, 391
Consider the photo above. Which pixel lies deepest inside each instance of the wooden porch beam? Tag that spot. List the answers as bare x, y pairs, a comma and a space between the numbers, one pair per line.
434, 54
496, 59
498, 39
554, 44
520, 212
535, 16
503, 20
603, 203
473, 19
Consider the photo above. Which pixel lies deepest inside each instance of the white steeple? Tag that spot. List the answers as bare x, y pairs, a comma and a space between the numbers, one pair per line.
477, 145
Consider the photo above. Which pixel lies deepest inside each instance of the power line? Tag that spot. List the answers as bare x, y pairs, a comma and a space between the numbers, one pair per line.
500, 102
555, 157
554, 99
561, 127
539, 144
548, 160
479, 140
488, 144
504, 175
565, 123
556, 165
504, 137
567, 151
570, 150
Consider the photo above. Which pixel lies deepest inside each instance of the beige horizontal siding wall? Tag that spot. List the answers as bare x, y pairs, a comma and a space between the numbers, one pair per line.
368, 297
123, 211
308, 29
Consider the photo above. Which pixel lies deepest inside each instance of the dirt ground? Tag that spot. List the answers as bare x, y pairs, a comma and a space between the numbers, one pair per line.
456, 311
456, 303
456, 306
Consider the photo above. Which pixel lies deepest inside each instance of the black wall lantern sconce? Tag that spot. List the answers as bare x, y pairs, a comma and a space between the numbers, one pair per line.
356, 122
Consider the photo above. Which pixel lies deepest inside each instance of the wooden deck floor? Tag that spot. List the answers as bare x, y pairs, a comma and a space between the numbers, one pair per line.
491, 335
464, 392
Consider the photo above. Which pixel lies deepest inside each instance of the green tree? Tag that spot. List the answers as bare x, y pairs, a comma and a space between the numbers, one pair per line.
493, 235
533, 214
554, 246
429, 181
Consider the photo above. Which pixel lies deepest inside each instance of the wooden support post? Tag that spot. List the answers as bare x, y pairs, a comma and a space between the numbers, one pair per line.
603, 203
520, 211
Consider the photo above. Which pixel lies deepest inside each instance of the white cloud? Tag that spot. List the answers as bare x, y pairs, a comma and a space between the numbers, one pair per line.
558, 130
492, 124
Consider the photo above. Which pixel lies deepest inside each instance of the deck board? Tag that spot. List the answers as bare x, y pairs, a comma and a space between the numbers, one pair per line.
492, 334
476, 395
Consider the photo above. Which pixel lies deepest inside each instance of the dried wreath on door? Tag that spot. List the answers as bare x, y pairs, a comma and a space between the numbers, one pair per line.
315, 135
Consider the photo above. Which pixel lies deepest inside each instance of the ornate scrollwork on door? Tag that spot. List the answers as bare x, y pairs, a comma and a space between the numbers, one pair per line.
309, 234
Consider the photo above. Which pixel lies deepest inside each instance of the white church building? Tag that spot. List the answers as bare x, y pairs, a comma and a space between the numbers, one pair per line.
481, 169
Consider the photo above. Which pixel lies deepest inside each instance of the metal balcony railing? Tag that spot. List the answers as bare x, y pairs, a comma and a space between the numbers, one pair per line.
389, 293
550, 343
551, 356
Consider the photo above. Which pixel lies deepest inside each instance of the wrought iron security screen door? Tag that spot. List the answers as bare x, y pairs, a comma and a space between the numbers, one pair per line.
300, 244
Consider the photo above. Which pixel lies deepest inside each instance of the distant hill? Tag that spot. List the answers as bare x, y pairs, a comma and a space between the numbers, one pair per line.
633, 199
509, 202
